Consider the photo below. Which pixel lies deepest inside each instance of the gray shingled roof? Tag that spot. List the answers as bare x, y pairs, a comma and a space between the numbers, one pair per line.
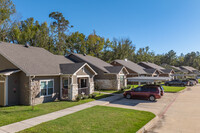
132, 66
150, 71
159, 68
166, 70
176, 68
70, 68
94, 61
114, 69
189, 68
33, 60
152, 65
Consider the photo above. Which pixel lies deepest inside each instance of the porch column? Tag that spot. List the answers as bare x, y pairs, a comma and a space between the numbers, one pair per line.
125, 80
118, 82
61, 86
73, 90
91, 85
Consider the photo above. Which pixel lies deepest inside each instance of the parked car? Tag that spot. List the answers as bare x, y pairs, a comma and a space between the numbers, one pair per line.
175, 83
192, 82
144, 92
193, 79
189, 82
162, 92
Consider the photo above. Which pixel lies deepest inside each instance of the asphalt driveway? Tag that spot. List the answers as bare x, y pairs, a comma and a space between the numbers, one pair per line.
154, 107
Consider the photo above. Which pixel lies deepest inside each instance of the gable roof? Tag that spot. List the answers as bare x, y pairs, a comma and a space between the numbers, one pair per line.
150, 71
72, 68
115, 69
132, 66
155, 66
167, 70
33, 60
152, 65
93, 61
189, 68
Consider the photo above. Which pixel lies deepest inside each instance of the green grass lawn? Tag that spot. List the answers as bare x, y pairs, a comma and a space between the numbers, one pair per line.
120, 91
173, 88
166, 88
13, 114
199, 80
97, 119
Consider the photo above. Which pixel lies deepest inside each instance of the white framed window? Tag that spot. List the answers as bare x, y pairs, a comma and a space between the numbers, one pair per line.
46, 87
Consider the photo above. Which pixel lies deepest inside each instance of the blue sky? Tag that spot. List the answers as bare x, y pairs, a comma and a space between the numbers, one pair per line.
160, 24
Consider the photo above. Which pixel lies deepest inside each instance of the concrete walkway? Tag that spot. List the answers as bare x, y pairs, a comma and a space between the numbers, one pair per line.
183, 115
19, 126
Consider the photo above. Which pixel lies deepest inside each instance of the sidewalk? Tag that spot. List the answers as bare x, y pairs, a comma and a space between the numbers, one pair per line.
22, 125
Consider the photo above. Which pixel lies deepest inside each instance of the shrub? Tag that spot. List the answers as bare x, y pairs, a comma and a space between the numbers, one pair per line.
79, 97
129, 86
123, 88
93, 95
90, 96
85, 97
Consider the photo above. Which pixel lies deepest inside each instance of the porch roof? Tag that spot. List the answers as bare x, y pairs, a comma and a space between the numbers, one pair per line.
8, 71
148, 79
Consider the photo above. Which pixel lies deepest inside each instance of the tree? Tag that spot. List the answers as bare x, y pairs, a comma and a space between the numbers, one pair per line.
170, 58
76, 43
122, 49
59, 26
7, 8
143, 54
94, 44
107, 53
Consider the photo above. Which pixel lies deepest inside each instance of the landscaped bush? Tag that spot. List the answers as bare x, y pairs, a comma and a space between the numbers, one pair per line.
79, 97
90, 96
123, 88
93, 95
129, 86
85, 97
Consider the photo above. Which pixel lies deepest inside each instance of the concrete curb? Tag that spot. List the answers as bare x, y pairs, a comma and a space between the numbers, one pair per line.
149, 125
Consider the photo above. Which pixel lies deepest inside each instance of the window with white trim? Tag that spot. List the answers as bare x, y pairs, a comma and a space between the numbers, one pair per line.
46, 87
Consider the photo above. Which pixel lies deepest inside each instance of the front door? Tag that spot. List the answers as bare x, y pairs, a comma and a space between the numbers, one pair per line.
65, 87
2, 94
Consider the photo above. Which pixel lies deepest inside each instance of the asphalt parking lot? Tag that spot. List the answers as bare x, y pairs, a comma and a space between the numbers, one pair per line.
155, 107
